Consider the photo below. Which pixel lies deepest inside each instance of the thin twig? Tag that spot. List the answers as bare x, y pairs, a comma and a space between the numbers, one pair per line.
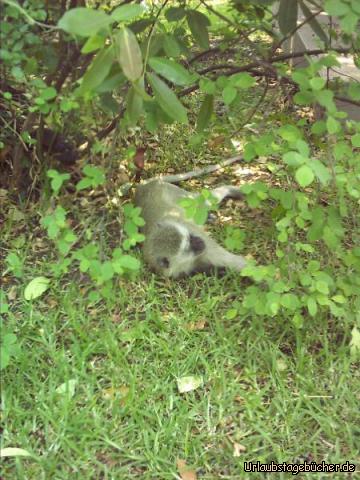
294, 30
30, 20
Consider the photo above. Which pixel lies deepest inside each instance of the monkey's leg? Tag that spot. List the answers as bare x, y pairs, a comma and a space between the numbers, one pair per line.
226, 191
216, 256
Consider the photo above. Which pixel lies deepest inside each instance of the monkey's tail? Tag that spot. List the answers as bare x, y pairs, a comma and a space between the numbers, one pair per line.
124, 189
199, 171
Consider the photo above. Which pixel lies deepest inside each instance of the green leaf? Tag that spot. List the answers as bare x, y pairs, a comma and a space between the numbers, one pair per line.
127, 12
97, 71
354, 91
355, 5
231, 313
174, 14
287, 15
294, 159
205, 113
93, 43
320, 170
312, 306
355, 140
128, 262
317, 83
304, 98
229, 94
15, 264
134, 105
48, 93
336, 7
84, 21
107, 271
84, 183
290, 133
141, 25
112, 82
36, 287
304, 176
332, 125
325, 98
318, 127
207, 86
4, 358
171, 46
198, 24
171, 70
322, 287
96, 174
242, 80
129, 56
167, 99
200, 215
301, 78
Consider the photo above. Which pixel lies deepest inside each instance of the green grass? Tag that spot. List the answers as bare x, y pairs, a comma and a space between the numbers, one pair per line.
284, 395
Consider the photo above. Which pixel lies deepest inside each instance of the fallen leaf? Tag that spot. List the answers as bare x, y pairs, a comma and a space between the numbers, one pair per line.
36, 288
355, 344
116, 318
113, 393
185, 472
200, 325
123, 178
216, 141
14, 452
52, 302
12, 294
238, 449
189, 383
139, 158
281, 365
67, 388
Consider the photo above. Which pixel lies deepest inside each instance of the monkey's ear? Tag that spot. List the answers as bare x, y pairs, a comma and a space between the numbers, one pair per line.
197, 244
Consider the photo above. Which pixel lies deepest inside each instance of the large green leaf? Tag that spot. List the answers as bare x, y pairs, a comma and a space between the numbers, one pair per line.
304, 176
83, 21
134, 104
229, 94
320, 170
127, 12
97, 71
242, 80
287, 15
174, 14
112, 82
93, 43
313, 22
167, 99
171, 46
198, 23
129, 55
171, 70
36, 287
205, 112
337, 7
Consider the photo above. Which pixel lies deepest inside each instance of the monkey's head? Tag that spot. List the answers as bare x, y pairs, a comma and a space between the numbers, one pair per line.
172, 250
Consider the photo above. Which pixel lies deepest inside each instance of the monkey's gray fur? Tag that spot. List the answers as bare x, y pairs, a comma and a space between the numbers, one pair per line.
175, 246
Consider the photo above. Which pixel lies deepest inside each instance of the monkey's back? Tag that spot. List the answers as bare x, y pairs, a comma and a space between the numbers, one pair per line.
157, 200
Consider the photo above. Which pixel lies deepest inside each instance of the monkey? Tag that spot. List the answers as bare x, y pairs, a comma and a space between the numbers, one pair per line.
174, 246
